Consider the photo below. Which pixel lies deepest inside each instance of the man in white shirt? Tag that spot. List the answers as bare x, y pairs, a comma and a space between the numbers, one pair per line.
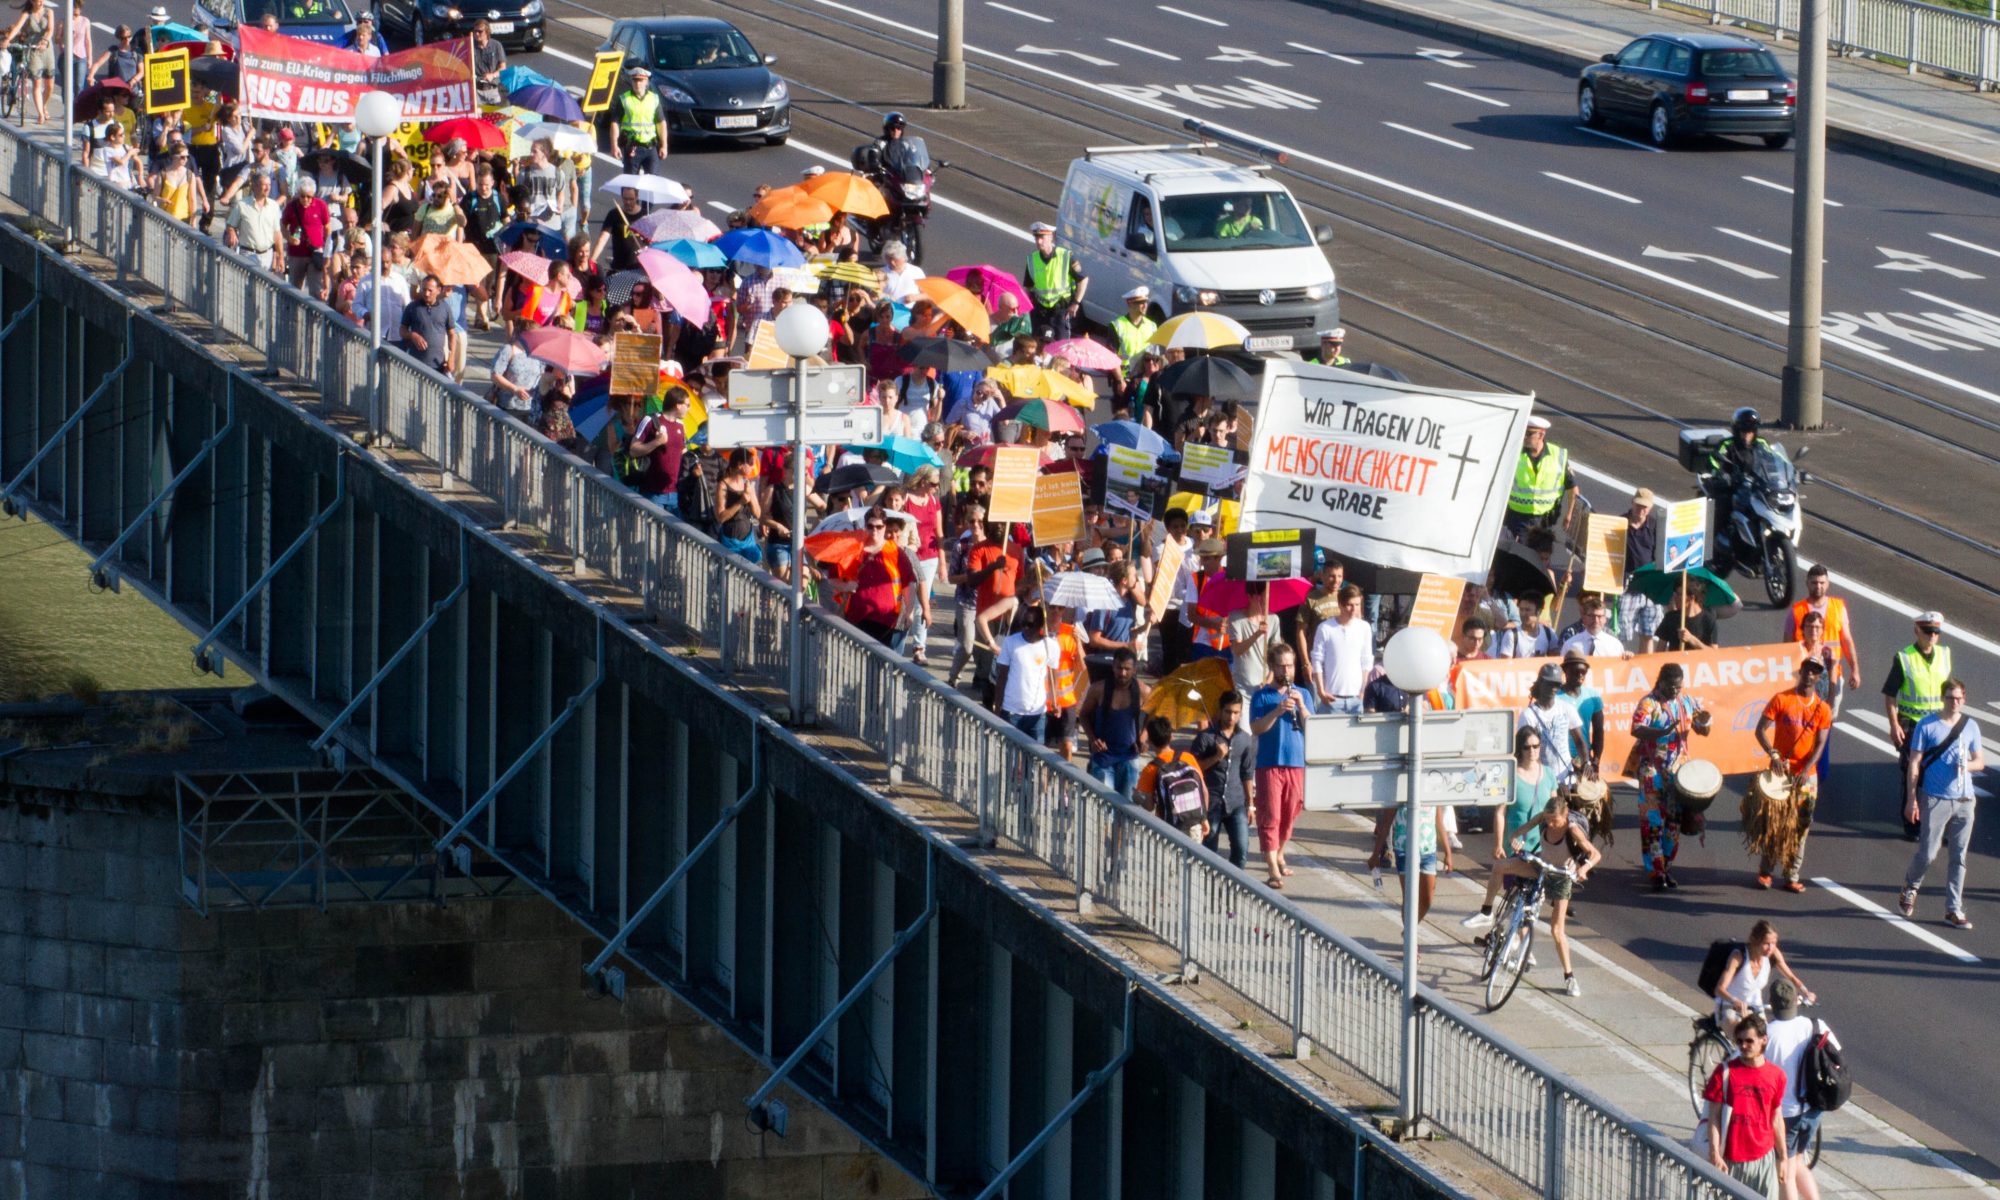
1558, 723
1529, 638
1593, 640
1343, 652
1788, 1037
252, 227
899, 274
1021, 674
395, 298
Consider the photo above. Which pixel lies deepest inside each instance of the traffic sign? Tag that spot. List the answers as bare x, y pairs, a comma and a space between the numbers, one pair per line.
1452, 733
826, 387
773, 426
1479, 783
1361, 760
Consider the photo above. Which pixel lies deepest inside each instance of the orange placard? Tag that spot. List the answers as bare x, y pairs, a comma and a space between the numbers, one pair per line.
635, 364
1733, 683
1166, 572
1436, 605
1059, 508
1604, 554
1015, 469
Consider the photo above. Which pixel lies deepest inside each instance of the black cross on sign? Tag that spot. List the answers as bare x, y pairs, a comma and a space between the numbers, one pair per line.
1465, 460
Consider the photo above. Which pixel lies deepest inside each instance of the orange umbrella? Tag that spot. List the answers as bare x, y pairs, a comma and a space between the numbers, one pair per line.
791, 208
958, 304
848, 193
456, 264
838, 550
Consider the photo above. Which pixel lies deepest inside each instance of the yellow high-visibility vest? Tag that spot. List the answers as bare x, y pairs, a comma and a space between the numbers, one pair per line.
639, 117
1050, 279
1132, 336
1922, 692
1538, 485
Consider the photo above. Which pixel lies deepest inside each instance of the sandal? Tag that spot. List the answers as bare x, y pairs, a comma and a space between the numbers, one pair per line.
1276, 885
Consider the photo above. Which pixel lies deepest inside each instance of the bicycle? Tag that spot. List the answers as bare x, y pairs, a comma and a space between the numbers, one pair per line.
13, 86
1709, 1049
1513, 933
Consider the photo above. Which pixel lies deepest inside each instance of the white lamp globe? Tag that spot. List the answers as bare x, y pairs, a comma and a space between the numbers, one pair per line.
377, 114
1417, 660
802, 330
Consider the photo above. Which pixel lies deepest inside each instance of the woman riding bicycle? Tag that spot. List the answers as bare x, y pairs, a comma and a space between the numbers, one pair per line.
1563, 844
1534, 785
1745, 981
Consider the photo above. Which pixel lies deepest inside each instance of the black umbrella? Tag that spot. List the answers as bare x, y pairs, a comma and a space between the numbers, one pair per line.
856, 475
944, 354
351, 167
1378, 370
1207, 375
1518, 572
217, 72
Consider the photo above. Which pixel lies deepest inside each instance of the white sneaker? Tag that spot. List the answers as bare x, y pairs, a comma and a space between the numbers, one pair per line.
1573, 987
1531, 958
1478, 920
1455, 843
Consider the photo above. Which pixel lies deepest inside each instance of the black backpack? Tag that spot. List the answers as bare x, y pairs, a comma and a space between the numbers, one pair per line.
697, 504
1716, 963
1823, 1080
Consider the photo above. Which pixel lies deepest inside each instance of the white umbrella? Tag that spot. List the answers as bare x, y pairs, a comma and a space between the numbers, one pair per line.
855, 518
1081, 590
566, 138
651, 188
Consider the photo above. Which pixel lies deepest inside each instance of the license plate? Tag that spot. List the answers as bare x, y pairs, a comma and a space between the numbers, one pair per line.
746, 121
501, 27
1274, 341
1749, 94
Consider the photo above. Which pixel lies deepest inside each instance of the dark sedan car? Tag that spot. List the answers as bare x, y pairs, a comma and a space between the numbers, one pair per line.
1691, 83
711, 80
515, 24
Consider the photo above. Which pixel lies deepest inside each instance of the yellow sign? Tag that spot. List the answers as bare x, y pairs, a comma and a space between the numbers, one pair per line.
1166, 573
1015, 469
603, 80
1059, 509
635, 364
1436, 605
169, 84
764, 353
1604, 554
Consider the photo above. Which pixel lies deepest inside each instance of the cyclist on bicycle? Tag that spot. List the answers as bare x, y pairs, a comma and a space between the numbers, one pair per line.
1564, 844
1534, 786
1745, 981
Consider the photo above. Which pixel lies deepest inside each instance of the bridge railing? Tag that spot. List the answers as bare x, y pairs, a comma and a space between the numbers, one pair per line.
1327, 990
1929, 37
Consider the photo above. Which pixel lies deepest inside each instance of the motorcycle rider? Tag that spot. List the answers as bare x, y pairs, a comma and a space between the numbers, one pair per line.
897, 151
1730, 464
884, 162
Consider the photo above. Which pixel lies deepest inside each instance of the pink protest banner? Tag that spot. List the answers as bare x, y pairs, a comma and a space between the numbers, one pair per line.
291, 79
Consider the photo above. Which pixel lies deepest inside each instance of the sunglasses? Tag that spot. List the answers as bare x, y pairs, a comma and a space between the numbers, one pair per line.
876, 525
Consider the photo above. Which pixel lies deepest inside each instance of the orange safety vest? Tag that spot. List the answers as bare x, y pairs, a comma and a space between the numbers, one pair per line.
1069, 677
1218, 637
1836, 620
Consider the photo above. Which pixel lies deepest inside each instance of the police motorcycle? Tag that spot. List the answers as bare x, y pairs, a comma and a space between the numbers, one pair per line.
1757, 502
901, 168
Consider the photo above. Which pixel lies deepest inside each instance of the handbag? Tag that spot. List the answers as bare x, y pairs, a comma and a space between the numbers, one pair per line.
1700, 1142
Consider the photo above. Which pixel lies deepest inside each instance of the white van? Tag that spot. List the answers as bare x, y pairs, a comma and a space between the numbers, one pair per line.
1203, 234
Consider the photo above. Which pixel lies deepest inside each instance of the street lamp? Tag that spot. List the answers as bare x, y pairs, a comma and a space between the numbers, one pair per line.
376, 116
1416, 660
802, 332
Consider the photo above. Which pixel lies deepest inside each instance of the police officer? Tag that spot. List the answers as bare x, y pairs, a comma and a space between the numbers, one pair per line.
1915, 687
639, 136
1135, 328
1541, 479
1056, 283
1332, 348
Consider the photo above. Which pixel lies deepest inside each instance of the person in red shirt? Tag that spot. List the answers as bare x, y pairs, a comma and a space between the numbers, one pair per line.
928, 513
1749, 1143
1792, 730
303, 225
879, 580
993, 568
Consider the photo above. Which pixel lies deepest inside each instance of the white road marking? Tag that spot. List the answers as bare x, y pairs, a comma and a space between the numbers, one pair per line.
1591, 187
1327, 53
1237, 54
1871, 718
1945, 237
1691, 256
720, 207
1612, 137
1897, 919
1431, 136
1051, 52
1752, 239
1445, 87
1779, 187
1143, 49
1020, 12
1910, 260
1868, 739
1444, 58
1181, 12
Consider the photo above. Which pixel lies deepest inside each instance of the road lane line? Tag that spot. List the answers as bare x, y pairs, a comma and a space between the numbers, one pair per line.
1612, 137
1869, 739
1020, 12
1779, 187
1181, 12
1143, 49
1897, 919
1445, 87
1444, 58
1591, 187
1327, 53
1945, 237
1752, 239
1432, 136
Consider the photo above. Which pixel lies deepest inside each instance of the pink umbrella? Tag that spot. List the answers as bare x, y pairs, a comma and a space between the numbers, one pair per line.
531, 267
1222, 594
677, 284
994, 282
1085, 354
671, 223
573, 352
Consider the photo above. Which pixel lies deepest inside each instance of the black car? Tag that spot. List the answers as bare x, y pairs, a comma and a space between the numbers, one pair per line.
1691, 83
515, 24
711, 81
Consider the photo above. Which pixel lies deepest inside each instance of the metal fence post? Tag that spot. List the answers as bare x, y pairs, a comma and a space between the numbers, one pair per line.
1552, 1141
1301, 1044
1187, 917
1912, 36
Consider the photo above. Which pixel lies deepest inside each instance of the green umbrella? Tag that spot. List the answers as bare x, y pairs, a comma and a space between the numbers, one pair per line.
1662, 586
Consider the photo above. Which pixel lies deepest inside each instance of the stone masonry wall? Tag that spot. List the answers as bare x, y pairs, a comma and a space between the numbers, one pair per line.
360, 1053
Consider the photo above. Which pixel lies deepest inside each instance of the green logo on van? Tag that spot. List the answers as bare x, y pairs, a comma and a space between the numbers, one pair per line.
1107, 216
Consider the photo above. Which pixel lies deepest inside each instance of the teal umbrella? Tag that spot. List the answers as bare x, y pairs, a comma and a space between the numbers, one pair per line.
1662, 586
697, 255
906, 454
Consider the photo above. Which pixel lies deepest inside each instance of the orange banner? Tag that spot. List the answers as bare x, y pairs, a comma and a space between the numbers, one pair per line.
1732, 683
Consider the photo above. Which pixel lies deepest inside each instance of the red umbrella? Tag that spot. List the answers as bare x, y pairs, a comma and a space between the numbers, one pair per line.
978, 456
113, 89
478, 134
1223, 594
838, 549
572, 351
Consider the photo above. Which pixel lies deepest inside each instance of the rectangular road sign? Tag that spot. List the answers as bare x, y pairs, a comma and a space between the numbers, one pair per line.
1483, 783
826, 387
1454, 733
773, 426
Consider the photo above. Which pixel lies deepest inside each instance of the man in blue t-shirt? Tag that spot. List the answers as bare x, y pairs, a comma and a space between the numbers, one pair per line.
1278, 713
1944, 753
1589, 705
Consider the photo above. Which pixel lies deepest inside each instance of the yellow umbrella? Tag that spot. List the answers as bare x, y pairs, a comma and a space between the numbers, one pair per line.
848, 193
1199, 331
790, 208
1228, 512
960, 305
1040, 383
858, 274
1191, 693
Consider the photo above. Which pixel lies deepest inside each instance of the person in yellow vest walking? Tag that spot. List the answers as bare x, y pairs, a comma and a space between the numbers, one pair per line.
1332, 348
1135, 328
1056, 284
639, 135
1541, 481
1915, 688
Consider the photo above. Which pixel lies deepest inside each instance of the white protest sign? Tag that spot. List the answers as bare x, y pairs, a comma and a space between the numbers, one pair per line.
1390, 473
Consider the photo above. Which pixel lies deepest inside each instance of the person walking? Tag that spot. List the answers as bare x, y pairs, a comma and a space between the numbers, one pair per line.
1594, 639
426, 325
1787, 1037
1114, 710
1836, 626
1661, 724
1134, 327
1278, 713
639, 135
1740, 989
1332, 351
1639, 615
1746, 1127
1534, 787
1343, 653
1914, 689
1228, 757
1565, 749
1056, 283
1432, 840
1794, 724
1943, 752
252, 227
1021, 674
1171, 785
1588, 702
1542, 479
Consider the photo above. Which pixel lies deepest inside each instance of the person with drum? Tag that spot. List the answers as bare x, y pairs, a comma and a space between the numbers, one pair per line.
1661, 723
1794, 724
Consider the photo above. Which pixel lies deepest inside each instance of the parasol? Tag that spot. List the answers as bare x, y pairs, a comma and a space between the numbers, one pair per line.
1207, 375
1085, 354
1081, 590
671, 223
960, 305
847, 192
1199, 331
1191, 693
1223, 594
945, 355
1052, 415
993, 283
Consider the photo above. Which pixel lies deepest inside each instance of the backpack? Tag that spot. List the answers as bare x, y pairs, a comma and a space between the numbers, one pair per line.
1823, 1080
1716, 963
697, 505
1178, 794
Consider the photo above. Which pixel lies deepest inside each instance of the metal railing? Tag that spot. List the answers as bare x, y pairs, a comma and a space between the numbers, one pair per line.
1927, 37
1328, 991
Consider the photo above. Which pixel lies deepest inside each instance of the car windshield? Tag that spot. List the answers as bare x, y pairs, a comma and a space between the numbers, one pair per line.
702, 50
1233, 221
315, 12
1739, 64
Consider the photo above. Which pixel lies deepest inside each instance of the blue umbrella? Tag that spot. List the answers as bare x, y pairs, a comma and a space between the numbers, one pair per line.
549, 100
590, 412
513, 79
906, 454
551, 245
759, 247
699, 256
1133, 436
173, 31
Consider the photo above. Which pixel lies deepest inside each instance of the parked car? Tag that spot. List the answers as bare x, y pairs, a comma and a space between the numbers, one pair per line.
515, 24
313, 20
711, 80
1677, 84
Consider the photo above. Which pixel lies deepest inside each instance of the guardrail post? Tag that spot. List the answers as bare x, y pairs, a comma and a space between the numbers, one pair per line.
894, 718
1080, 806
718, 594
986, 774
1912, 35
1187, 919
1301, 1044
1552, 1140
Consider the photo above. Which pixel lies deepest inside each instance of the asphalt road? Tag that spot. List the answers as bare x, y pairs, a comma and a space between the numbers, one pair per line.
1908, 998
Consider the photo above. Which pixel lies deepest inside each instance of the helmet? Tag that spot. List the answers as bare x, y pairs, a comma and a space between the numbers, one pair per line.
1746, 420
893, 121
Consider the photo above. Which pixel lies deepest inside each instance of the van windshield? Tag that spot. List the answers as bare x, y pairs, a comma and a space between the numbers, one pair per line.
289, 12
1233, 221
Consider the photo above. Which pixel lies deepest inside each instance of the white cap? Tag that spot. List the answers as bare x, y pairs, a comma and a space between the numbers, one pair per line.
1931, 616
1538, 422
639, 71
1041, 227
1338, 333
1142, 292
812, 172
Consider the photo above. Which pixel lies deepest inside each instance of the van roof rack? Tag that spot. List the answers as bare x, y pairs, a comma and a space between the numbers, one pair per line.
1158, 148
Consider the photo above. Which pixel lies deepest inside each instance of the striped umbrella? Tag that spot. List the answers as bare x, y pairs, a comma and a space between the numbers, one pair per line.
1199, 331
